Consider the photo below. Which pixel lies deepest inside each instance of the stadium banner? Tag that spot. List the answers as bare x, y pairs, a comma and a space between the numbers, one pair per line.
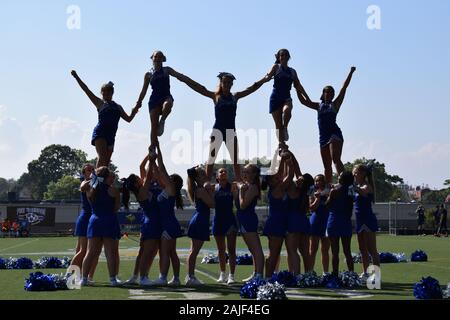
36, 216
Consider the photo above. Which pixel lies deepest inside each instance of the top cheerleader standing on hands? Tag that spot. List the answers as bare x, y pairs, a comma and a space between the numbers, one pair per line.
109, 114
331, 138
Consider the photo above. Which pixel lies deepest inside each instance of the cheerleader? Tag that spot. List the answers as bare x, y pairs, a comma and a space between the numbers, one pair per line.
280, 100
109, 114
134, 279
171, 229
339, 225
146, 193
246, 198
83, 222
318, 222
225, 106
331, 138
276, 224
103, 228
161, 101
202, 194
298, 230
224, 226
366, 221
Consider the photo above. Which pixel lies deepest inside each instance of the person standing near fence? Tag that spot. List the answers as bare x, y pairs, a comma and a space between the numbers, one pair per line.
443, 222
437, 221
420, 220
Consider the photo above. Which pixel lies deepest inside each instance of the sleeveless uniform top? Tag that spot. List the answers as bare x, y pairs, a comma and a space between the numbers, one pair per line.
108, 122
328, 129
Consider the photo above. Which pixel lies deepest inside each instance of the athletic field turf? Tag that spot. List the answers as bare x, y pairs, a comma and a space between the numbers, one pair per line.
397, 279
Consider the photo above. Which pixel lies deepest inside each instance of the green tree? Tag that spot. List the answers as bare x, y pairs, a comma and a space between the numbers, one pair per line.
66, 188
447, 182
386, 185
436, 197
7, 185
54, 162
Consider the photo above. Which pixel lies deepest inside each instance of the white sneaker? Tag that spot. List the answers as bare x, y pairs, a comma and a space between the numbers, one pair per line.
84, 282
161, 127
222, 278
145, 282
174, 282
193, 281
231, 279
132, 280
249, 278
160, 282
116, 282
90, 282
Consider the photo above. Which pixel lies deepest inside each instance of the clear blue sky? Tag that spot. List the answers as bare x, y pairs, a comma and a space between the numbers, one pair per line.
396, 108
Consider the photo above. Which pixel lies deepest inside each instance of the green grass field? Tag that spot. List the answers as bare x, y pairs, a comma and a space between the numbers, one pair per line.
397, 279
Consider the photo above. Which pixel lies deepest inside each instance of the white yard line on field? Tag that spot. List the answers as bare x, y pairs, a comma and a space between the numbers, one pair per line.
19, 245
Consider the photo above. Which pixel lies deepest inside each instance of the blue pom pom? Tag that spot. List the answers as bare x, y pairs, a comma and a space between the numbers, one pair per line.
419, 256
331, 281
387, 257
244, 260
40, 282
210, 259
309, 280
60, 281
349, 280
250, 289
428, 288
285, 278
356, 257
3, 263
65, 262
447, 292
48, 263
271, 291
21, 263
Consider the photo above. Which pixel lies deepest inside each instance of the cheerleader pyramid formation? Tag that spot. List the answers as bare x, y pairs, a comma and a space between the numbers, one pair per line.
291, 194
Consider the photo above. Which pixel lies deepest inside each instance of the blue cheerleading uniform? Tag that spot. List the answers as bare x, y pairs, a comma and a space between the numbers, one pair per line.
199, 225
247, 218
160, 83
339, 220
297, 220
225, 114
319, 219
281, 94
328, 129
82, 223
365, 218
151, 227
171, 228
224, 220
103, 222
277, 222
108, 122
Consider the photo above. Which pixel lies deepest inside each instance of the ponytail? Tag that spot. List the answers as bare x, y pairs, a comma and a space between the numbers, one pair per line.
370, 180
178, 182
308, 182
191, 183
129, 184
257, 179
